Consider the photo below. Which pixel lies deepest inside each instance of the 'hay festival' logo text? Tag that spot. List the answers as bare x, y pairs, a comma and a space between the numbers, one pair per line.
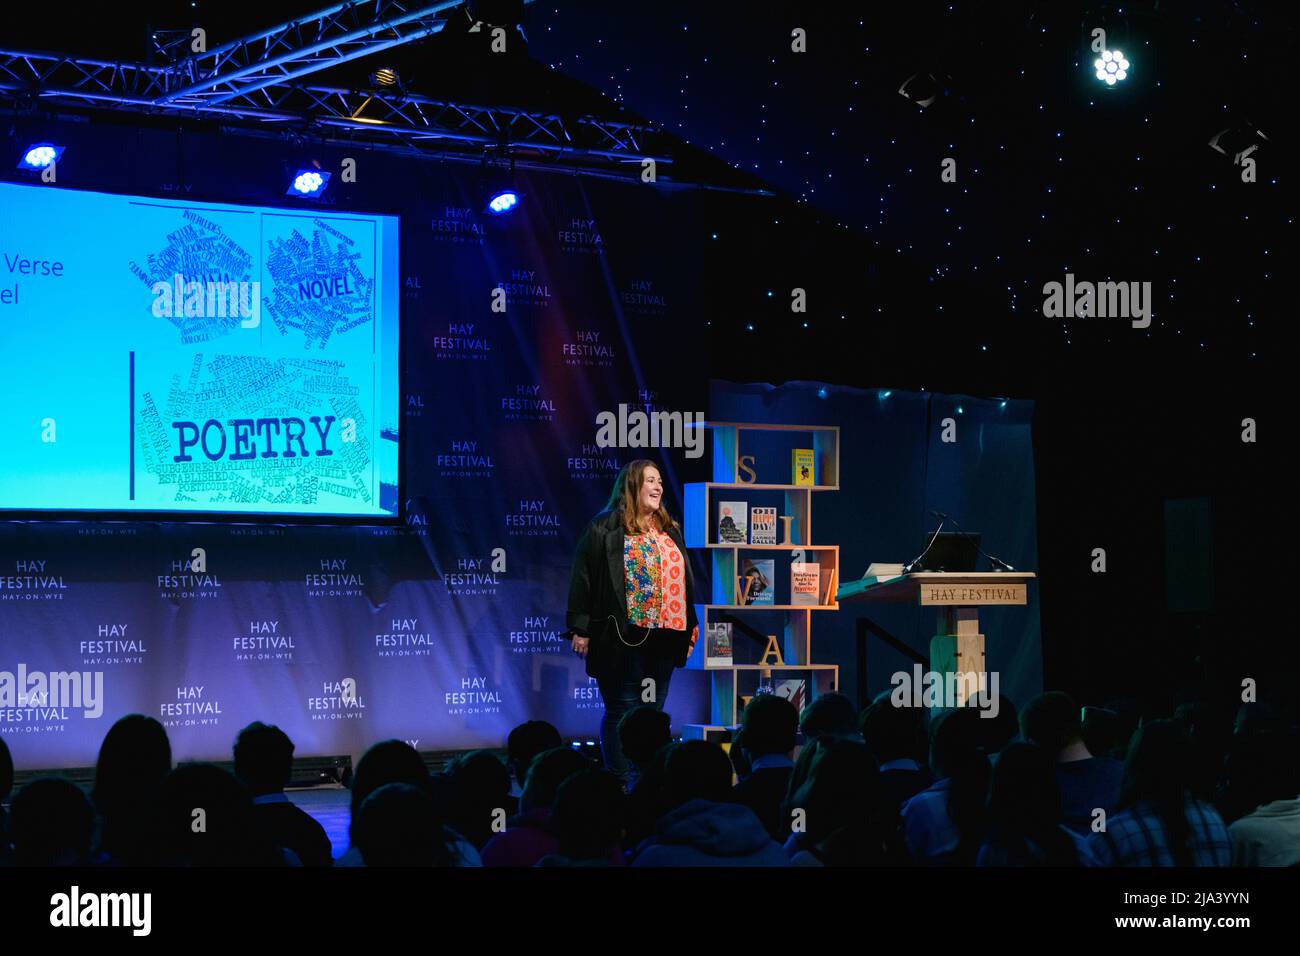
593, 462
465, 459
185, 582
113, 645
32, 580
411, 288
640, 298
532, 520
334, 579
648, 399
587, 696
458, 224
194, 706
465, 341
405, 639
473, 577
525, 287
587, 350
537, 636
528, 404
474, 697
583, 235
41, 702
265, 641
339, 700
415, 522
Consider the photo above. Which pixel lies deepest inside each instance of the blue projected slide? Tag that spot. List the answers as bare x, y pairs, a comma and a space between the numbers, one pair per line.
192, 357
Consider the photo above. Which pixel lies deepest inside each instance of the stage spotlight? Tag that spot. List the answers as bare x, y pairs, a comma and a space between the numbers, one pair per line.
497, 182
40, 156
1111, 67
308, 183
385, 77
503, 201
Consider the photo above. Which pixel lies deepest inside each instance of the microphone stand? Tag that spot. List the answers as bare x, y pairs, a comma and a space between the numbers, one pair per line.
998, 563
916, 561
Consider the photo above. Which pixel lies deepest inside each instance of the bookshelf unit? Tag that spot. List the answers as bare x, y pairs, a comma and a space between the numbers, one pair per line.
727, 446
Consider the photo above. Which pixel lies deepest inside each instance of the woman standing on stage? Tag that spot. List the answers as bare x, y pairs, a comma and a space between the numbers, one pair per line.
631, 602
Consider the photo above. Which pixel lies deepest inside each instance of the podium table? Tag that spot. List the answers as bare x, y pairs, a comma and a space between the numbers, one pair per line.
957, 646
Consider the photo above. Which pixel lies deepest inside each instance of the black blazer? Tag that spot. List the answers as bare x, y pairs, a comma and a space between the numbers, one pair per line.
598, 589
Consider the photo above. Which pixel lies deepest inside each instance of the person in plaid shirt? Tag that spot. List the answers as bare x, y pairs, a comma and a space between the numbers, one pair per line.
1160, 822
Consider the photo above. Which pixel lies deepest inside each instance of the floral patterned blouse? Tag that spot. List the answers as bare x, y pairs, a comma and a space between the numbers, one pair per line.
656, 581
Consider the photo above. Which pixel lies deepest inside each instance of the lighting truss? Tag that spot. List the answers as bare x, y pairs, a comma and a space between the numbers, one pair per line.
295, 49
381, 116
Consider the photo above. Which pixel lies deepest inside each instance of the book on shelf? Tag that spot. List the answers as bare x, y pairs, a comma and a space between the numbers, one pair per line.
832, 579
756, 582
803, 467
717, 647
762, 526
805, 583
732, 523
795, 691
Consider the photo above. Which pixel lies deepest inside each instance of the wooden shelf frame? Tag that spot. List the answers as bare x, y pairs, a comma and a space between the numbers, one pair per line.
726, 448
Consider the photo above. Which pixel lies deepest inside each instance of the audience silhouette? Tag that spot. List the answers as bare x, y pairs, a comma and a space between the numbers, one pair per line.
523, 744
263, 764
1025, 825
53, 824
1088, 783
1198, 786
397, 825
895, 736
206, 819
134, 760
768, 730
1161, 822
642, 732
589, 812
530, 835
845, 815
701, 826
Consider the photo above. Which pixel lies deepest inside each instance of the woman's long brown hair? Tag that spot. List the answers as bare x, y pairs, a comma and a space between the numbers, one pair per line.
623, 499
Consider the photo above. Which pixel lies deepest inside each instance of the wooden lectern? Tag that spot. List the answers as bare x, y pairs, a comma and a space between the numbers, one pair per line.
958, 644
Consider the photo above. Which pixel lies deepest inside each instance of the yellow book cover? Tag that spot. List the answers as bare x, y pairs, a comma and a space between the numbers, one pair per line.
803, 467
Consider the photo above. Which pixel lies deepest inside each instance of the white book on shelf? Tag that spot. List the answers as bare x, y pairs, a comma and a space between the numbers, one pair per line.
805, 583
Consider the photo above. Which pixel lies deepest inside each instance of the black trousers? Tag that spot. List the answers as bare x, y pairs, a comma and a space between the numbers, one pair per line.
623, 687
